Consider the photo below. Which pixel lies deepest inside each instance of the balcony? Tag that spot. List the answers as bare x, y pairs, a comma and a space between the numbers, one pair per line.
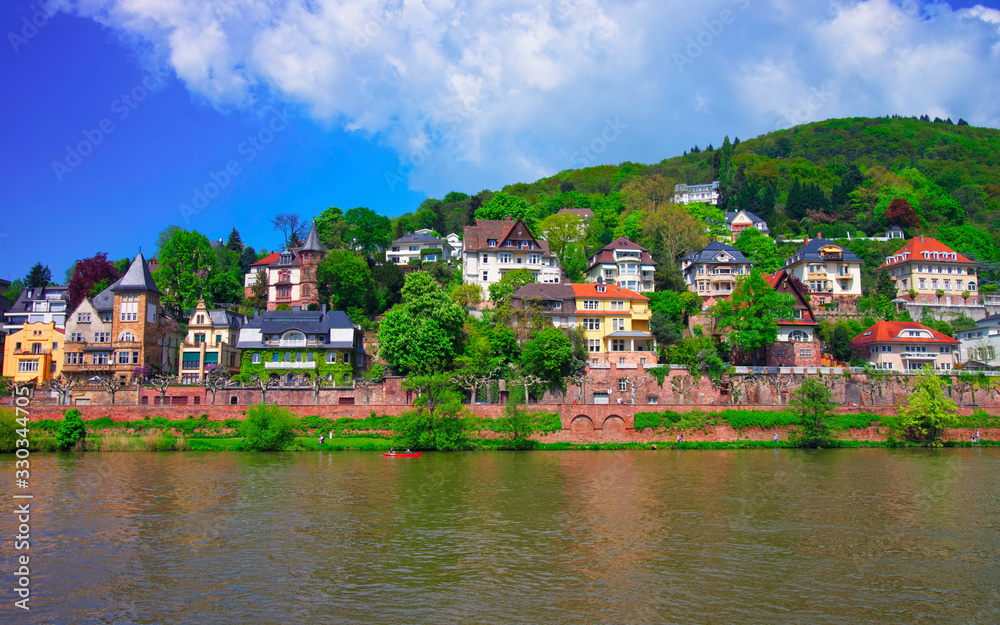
308, 366
291, 343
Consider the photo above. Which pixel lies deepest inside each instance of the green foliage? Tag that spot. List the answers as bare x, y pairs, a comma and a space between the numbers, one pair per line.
368, 230
759, 249
812, 399
751, 314
344, 280
548, 356
517, 426
928, 411
72, 433
185, 264
423, 334
8, 430
443, 428
268, 428
501, 291
502, 206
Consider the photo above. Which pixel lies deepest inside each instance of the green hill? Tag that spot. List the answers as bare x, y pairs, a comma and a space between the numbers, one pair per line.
836, 177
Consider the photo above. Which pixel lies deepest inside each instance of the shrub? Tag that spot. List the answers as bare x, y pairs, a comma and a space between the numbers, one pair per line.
164, 442
71, 430
8, 431
443, 428
517, 426
928, 411
268, 428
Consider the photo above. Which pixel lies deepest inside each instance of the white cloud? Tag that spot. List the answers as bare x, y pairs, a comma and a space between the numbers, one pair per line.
479, 94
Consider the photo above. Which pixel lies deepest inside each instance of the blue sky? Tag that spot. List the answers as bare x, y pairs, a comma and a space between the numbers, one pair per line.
123, 117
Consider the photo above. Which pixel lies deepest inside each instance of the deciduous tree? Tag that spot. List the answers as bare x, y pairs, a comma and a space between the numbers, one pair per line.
90, 277
750, 316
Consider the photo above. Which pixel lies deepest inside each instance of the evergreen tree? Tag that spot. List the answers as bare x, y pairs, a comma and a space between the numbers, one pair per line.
247, 257
235, 243
38, 275
795, 205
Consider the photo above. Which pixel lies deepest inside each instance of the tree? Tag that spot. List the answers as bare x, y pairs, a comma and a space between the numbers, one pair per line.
369, 380
161, 382
751, 314
560, 230
369, 231
423, 334
216, 379
72, 433
900, 213
927, 411
185, 265
502, 206
517, 425
235, 243
813, 402
387, 287
14, 291
467, 295
37, 276
263, 384
268, 428
331, 228
111, 385
574, 262
258, 292
501, 292
90, 277
672, 226
291, 227
886, 286
548, 356
63, 387
344, 280
840, 344
759, 249
247, 258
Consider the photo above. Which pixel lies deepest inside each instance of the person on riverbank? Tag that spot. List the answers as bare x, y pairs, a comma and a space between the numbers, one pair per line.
320, 439
680, 438
775, 438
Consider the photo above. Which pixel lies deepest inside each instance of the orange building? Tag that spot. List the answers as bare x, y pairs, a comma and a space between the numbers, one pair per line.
34, 353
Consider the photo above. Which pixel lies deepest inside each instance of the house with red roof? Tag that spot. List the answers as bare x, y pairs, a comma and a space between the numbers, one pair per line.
494, 247
906, 346
291, 274
797, 344
624, 263
927, 271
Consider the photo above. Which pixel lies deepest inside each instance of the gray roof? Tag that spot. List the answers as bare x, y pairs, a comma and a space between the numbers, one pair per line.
226, 318
707, 255
137, 278
305, 321
561, 292
105, 300
731, 215
418, 237
41, 293
810, 253
312, 243
630, 334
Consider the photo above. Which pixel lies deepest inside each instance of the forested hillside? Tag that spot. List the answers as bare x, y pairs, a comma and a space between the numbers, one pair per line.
838, 177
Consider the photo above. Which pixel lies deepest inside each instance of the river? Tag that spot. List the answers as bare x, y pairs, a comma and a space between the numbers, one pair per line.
750, 536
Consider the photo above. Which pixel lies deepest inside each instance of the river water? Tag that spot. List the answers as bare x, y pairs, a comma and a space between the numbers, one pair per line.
754, 536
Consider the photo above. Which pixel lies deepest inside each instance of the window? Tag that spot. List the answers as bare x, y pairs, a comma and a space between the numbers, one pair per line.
945, 350
135, 358
83, 318
591, 323
76, 337
331, 357
591, 304
623, 385
491, 242
55, 346
74, 358
601, 288
594, 345
781, 351
505, 258
609, 273
617, 345
617, 304
128, 337
652, 400
102, 358
618, 324
123, 358
806, 352
255, 358
201, 319
129, 307
534, 259
27, 366
486, 258
486, 276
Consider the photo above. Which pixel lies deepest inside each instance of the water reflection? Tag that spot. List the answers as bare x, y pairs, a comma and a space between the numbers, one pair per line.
754, 536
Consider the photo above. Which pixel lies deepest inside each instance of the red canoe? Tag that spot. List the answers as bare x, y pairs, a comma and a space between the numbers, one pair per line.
416, 455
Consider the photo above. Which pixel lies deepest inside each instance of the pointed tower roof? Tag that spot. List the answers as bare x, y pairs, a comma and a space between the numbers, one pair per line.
137, 278
312, 243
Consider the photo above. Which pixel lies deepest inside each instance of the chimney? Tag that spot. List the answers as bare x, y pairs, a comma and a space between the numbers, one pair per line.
922, 238
296, 309
819, 235
324, 309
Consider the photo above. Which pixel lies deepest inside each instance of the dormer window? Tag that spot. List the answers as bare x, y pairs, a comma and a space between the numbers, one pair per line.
491, 242
601, 288
286, 258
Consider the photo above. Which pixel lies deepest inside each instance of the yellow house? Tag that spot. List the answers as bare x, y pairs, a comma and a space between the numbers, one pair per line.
616, 324
34, 353
211, 340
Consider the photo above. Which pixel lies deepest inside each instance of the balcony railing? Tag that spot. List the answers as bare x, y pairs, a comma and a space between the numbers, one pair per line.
290, 365
920, 355
292, 343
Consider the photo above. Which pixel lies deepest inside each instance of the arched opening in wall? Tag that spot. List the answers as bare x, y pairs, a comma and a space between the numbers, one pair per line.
581, 423
614, 424
233, 400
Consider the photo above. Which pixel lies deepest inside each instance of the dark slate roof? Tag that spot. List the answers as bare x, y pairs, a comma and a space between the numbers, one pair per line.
307, 321
810, 253
226, 318
707, 255
105, 300
23, 301
417, 237
312, 243
731, 215
548, 292
607, 254
476, 238
137, 278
